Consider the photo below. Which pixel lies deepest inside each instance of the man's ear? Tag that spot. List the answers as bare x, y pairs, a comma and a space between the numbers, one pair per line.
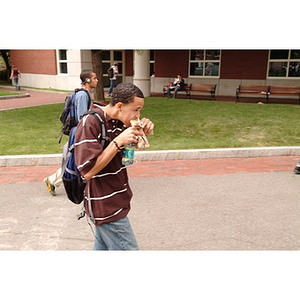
119, 106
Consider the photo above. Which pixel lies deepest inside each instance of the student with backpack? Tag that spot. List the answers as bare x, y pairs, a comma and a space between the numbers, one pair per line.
107, 191
80, 104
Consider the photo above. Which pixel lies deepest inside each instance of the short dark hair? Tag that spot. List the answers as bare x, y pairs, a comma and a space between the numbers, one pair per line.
125, 93
87, 73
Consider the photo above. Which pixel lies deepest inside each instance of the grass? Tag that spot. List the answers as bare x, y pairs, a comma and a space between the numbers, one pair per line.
46, 89
5, 93
32, 130
190, 124
179, 124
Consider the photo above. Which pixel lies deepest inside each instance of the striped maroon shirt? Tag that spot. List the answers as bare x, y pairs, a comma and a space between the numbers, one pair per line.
109, 191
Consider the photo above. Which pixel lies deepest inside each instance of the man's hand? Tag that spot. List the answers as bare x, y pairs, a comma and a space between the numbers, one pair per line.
128, 136
147, 126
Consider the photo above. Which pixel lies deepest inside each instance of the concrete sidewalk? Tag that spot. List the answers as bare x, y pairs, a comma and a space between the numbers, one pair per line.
203, 204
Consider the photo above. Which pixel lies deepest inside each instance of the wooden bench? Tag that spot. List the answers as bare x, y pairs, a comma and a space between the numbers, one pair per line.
280, 90
203, 89
255, 90
186, 90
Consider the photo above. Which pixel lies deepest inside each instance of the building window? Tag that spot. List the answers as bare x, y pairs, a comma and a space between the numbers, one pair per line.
152, 65
205, 63
62, 62
108, 58
284, 63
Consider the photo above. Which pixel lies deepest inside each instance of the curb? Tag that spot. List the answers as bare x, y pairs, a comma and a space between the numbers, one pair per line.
24, 95
55, 159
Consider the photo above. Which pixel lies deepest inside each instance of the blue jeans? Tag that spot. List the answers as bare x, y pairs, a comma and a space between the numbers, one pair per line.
112, 85
117, 235
16, 83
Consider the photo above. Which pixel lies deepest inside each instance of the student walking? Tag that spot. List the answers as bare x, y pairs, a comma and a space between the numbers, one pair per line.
113, 79
14, 76
89, 81
108, 193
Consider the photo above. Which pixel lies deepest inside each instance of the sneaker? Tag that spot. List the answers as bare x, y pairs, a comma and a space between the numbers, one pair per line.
297, 168
50, 187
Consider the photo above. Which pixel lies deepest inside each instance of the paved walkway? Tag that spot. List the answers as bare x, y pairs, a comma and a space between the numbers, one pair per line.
172, 168
206, 204
200, 204
36, 98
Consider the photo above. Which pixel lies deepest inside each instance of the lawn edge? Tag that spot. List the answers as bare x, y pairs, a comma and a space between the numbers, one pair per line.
160, 155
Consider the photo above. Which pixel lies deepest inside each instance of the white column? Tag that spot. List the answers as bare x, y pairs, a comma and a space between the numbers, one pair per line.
141, 77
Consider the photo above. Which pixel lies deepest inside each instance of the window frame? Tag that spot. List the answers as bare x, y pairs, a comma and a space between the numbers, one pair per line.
62, 61
288, 61
110, 61
204, 61
152, 63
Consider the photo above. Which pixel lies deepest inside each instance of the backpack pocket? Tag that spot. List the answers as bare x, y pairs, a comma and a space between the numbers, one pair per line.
74, 189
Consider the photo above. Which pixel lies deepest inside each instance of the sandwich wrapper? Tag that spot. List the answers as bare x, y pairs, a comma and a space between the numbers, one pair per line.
142, 141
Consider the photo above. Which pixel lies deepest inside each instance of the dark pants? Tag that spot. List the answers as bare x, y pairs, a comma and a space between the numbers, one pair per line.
112, 86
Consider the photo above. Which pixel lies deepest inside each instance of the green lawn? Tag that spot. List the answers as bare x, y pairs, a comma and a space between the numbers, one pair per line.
5, 93
179, 124
192, 124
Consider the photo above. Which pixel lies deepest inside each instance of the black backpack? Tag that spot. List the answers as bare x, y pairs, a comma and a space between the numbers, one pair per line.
72, 180
67, 116
110, 72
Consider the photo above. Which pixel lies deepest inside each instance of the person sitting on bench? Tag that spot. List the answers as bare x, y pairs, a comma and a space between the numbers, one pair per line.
175, 86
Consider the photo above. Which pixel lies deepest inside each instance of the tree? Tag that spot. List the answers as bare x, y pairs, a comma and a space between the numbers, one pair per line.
97, 67
6, 57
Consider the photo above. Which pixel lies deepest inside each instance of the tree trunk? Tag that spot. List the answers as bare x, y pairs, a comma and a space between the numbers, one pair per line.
5, 55
97, 67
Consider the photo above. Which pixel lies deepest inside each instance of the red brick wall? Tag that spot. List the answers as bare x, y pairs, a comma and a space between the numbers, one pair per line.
35, 61
244, 64
169, 63
235, 64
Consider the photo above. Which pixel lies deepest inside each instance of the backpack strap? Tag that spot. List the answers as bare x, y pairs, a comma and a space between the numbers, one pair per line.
68, 147
104, 142
104, 138
68, 116
89, 96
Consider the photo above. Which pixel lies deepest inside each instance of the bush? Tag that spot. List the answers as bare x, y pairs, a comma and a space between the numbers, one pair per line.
3, 75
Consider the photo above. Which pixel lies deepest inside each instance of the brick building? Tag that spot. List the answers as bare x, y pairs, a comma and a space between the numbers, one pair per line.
227, 68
